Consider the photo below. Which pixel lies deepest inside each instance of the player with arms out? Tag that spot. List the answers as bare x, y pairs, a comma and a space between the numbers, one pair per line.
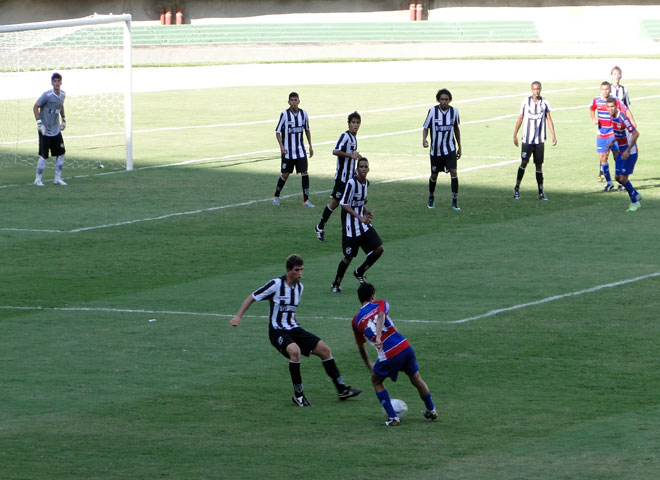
346, 153
601, 118
357, 231
372, 324
624, 150
286, 334
534, 114
443, 123
47, 110
293, 123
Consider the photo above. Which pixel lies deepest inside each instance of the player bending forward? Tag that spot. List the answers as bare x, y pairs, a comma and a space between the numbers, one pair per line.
372, 323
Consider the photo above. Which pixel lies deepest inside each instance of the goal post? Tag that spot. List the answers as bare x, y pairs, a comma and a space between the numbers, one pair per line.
93, 55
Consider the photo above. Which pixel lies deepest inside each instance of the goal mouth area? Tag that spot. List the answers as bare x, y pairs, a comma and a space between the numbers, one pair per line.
93, 55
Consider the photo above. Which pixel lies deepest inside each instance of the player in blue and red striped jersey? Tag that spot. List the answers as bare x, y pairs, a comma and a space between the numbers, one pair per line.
373, 324
601, 118
624, 150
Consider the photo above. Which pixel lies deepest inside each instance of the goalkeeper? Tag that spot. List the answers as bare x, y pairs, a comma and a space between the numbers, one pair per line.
47, 112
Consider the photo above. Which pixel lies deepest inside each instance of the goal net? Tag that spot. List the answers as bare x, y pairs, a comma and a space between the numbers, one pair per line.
93, 55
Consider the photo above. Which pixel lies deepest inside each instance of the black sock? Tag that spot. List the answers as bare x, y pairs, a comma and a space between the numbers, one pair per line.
454, 189
521, 174
325, 216
432, 185
368, 262
296, 377
333, 372
305, 187
280, 186
341, 270
539, 181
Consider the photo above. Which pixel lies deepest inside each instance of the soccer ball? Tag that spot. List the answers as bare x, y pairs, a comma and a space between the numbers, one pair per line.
399, 407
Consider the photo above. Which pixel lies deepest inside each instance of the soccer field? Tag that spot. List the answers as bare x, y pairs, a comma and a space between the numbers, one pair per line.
534, 323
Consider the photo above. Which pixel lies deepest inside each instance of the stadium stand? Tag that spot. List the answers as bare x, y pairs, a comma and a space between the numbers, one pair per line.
504, 31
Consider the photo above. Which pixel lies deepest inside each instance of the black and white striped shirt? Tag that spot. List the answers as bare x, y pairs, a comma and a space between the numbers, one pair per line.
346, 165
441, 124
355, 196
283, 299
291, 127
621, 93
534, 120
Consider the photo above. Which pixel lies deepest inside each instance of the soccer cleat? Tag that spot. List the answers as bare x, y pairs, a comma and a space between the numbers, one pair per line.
360, 278
456, 208
308, 204
335, 287
634, 207
620, 188
276, 201
349, 392
392, 422
516, 195
320, 233
431, 414
543, 197
38, 182
431, 203
301, 401
60, 182
608, 188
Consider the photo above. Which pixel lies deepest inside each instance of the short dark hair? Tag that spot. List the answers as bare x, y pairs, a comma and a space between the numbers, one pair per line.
55, 75
365, 292
443, 91
536, 82
293, 260
361, 159
356, 116
611, 100
606, 83
293, 95
616, 67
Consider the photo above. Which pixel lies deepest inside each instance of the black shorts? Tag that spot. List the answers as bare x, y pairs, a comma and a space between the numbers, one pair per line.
530, 149
444, 163
338, 190
368, 241
54, 145
281, 338
300, 164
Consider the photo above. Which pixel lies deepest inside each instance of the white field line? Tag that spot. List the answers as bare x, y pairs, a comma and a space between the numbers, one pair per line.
224, 207
556, 297
230, 315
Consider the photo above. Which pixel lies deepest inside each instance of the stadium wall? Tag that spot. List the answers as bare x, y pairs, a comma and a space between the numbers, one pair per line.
22, 11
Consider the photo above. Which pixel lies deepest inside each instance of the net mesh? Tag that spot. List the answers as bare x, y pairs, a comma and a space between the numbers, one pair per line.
90, 59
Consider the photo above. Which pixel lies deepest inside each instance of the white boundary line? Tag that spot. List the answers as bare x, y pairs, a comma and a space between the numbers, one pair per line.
224, 315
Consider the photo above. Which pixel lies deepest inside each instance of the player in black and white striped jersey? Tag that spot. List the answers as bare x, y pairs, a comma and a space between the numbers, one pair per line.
346, 153
293, 123
534, 116
286, 334
357, 230
443, 122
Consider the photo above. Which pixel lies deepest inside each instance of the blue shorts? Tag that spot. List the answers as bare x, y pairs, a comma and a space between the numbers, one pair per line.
405, 362
602, 143
625, 167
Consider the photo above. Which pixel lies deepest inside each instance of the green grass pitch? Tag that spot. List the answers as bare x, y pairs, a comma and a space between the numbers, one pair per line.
118, 360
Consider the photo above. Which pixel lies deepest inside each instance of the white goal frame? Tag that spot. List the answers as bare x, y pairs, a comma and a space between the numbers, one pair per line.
127, 89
